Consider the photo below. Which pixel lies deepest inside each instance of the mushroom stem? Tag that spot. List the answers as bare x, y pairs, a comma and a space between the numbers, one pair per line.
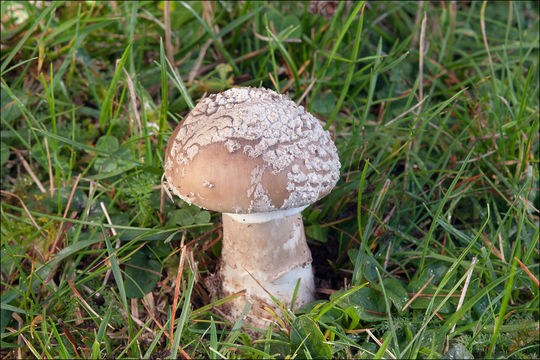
265, 253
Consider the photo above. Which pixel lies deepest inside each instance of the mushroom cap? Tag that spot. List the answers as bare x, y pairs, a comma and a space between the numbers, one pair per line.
250, 150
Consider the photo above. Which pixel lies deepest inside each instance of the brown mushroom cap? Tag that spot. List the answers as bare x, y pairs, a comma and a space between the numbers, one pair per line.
249, 150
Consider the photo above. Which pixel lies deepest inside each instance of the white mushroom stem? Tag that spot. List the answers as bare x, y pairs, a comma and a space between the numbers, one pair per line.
265, 253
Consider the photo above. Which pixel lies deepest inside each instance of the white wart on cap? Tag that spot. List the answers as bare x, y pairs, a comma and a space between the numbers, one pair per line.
250, 150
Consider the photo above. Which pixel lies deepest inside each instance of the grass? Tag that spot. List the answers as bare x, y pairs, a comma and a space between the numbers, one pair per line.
426, 248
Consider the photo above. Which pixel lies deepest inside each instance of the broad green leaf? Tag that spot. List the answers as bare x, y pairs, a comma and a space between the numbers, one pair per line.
10, 111
105, 165
396, 293
422, 303
316, 232
282, 23
458, 351
141, 273
369, 271
306, 334
202, 217
313, 308
313, 216
291, 21
354, 315
123, 153
358, 312
437, 269
182, 217
108, 144
368, 304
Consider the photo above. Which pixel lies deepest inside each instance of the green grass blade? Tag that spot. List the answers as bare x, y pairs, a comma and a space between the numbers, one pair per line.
337, 43
48, 10
106, 107
218, 43
350, 73
164, 95
382, 349
502, 312
440, 209
184, 315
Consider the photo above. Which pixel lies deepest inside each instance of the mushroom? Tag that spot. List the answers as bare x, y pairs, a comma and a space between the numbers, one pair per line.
260, 159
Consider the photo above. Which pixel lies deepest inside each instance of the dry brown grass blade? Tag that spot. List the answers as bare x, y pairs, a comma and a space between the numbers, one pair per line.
465, 287
151, 313
267, 39
483, 28
531, 275
177, 285
30, 172
142, 268
273, 80
445, 71
182, 351
208, 245
33, 325
308, 89
83, 301
208, 17
27, 213
374, 338
417, 17
133, 103
418, 293
69, 336
114, 232
20, 324
431, 295
357, 331
52, 250
421, 51
418, 105
494, 250
418, 120
197, 67
51, 176
300, 71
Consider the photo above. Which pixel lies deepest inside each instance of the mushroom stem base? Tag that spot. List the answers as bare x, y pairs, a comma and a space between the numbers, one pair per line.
262, 258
